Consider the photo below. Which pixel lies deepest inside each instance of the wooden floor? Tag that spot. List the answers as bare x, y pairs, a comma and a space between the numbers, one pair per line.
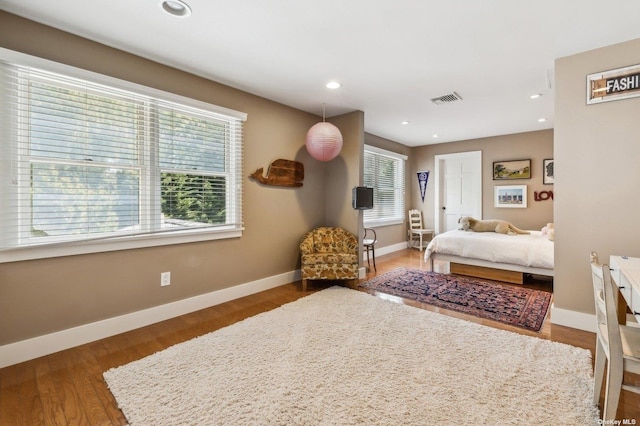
67, 387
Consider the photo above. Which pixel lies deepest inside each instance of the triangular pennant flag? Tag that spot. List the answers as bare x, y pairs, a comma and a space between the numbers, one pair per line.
423, 177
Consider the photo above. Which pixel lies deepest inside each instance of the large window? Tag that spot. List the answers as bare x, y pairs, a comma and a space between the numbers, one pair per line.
384, 172
82, 161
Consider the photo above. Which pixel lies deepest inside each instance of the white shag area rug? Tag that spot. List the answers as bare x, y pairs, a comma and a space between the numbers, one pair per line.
344, 357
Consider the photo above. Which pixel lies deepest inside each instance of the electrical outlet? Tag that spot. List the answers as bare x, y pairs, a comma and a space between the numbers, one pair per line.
165, 278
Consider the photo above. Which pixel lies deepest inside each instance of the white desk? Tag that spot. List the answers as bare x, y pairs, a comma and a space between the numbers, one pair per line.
625, 272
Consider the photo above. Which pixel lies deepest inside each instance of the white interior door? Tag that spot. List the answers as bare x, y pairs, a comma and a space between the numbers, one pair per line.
458, 188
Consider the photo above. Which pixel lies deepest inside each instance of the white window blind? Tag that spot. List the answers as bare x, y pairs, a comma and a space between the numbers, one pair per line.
84, 161
384, 171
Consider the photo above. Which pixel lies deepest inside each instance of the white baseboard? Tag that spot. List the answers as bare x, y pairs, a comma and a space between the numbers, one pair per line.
14, 353
362, 272
386, 250
573, 319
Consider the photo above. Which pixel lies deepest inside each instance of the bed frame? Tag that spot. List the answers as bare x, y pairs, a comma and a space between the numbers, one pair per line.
488, 270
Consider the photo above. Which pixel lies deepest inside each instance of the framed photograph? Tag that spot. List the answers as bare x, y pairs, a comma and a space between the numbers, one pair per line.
510, 196
515, 169
547, 171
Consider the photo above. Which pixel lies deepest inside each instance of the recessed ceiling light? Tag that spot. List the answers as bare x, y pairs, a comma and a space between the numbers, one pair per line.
435, 135
541, 120
536, 96
333, 85
176, 8
405, 122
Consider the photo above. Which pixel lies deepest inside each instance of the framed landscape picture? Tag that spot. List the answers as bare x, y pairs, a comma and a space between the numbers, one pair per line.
547, 171
514, 169
510, 196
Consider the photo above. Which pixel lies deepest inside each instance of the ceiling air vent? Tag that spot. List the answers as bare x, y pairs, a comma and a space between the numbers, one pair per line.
445, 99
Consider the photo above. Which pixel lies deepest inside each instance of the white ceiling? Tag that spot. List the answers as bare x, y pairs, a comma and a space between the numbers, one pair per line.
392, 56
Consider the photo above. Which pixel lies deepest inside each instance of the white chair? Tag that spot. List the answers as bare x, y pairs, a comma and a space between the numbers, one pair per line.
416, 231
617, 346
369, 243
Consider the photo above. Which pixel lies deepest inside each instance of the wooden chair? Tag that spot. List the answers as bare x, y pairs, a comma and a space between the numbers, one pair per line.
416, 231
328, 253
617, 346
369, 244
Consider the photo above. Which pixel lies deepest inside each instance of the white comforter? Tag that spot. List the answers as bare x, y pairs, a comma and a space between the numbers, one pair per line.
533, 250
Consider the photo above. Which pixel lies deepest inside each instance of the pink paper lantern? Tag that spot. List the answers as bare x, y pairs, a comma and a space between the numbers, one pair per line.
324, 141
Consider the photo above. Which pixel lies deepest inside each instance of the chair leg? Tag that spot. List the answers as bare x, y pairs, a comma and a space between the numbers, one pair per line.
373, 251
304, 285
598, 372
612, 391
369, 258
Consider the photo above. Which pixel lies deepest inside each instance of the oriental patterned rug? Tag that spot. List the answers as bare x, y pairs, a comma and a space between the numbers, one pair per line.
509, 304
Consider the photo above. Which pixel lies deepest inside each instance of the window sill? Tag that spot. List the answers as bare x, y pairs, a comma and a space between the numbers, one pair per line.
115, 244
383, 222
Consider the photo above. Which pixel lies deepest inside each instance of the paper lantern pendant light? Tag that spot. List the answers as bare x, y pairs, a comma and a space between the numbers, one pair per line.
324, 140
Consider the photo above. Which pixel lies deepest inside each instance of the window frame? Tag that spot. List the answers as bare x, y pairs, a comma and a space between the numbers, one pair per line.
113, 241
400, 197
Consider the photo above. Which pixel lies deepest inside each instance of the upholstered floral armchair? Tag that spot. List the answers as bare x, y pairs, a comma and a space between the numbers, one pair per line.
328, 253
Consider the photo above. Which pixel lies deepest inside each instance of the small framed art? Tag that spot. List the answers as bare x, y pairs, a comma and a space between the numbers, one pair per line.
516, 169
547, 171
510, 196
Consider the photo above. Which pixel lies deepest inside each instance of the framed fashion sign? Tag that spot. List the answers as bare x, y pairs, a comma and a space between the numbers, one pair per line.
613, 85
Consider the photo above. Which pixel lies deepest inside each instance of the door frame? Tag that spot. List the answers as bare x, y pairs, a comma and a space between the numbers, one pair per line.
477, 155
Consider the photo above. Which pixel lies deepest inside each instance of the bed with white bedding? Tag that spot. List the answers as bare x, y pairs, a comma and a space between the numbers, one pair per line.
478, 251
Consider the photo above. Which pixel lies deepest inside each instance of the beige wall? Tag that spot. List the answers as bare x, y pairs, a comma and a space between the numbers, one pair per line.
42, 296
531, 145
597, 149
392, 234
341, 175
